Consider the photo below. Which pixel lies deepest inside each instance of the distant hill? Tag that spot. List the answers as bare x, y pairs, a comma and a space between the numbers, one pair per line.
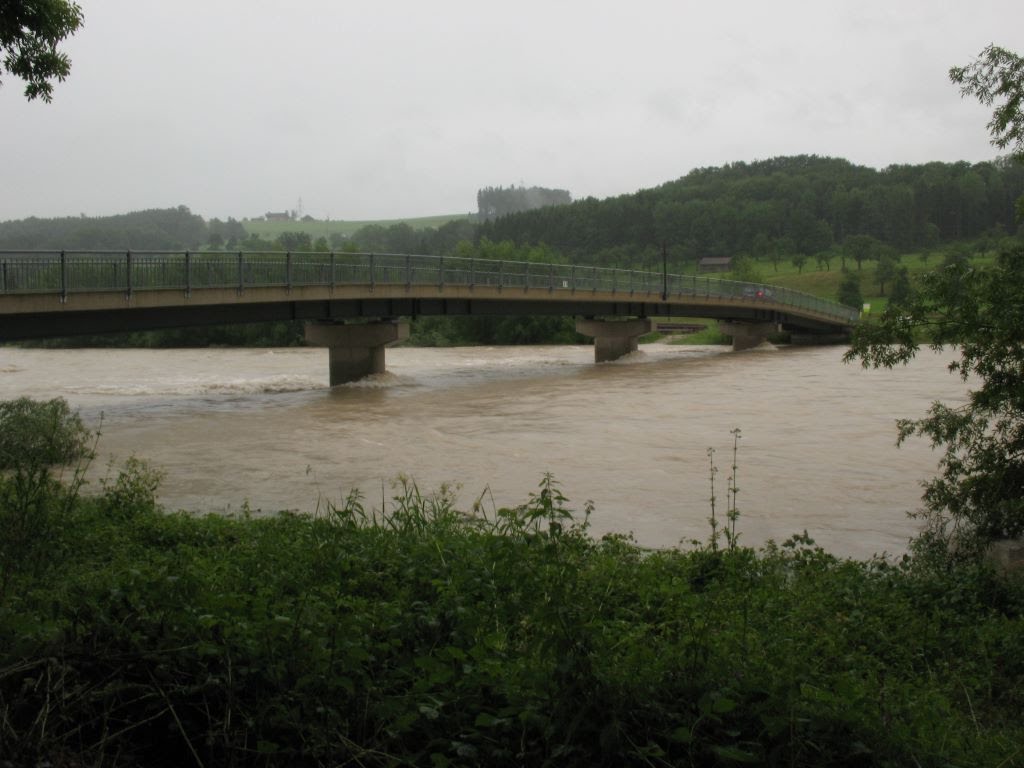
771, 210
791, 205
155, 229
179, 228
325, 228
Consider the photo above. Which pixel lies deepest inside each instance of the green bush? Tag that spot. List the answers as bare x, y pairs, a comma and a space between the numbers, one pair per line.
417, 634
38, 442
421, 635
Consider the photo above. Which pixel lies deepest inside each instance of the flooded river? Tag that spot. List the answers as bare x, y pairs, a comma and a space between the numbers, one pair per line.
261, 427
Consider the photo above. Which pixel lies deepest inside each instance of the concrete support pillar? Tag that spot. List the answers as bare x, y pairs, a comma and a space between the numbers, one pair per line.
747, 335
613, 338
356, 350
817, 339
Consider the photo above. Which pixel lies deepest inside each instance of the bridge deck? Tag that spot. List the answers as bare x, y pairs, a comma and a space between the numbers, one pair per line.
48, 294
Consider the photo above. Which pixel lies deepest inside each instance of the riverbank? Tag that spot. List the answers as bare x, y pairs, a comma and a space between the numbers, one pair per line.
422, 635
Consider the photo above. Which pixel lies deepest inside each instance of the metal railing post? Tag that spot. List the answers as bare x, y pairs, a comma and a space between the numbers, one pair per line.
408, 271
572, 278
373, 281
128, 274
440, 272
331, 275
188, 275
63, 277
241, 274
593, 279
3, 276
472, 272
526, 278
288, 270
551, 278
501, 275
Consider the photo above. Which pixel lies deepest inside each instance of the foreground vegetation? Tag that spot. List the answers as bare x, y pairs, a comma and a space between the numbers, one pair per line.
418, 635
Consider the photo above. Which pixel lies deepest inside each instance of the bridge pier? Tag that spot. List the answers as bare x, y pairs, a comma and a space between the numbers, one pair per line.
355, 350
747, 335
817, 339
613, 338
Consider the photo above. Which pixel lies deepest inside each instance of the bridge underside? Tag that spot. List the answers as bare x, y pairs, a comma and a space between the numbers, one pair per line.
356, 323
43, 316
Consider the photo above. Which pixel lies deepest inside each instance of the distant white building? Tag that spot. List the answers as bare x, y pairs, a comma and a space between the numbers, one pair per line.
715, 264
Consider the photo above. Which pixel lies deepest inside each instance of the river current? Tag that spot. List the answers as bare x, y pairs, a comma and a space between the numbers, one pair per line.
261, 427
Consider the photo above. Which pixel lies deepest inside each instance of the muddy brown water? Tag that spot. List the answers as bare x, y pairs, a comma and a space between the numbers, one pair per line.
261, 427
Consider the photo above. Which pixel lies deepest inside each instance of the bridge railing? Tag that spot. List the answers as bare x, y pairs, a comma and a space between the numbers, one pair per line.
69, 272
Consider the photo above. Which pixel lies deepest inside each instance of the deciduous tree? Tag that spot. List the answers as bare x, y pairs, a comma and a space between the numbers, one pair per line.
37, 440
997, 77
824, 259
979, 495
886, 270
901, 288
30, 31
859, 248
849, 290
744, 269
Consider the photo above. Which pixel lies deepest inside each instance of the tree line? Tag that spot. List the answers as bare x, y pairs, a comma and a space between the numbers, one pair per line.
493, 202
803, 204
804, 209
155, 229
768, 210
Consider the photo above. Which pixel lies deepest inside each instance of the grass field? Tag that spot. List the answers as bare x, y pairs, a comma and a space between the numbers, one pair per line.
817, 282
325, 228
825, 283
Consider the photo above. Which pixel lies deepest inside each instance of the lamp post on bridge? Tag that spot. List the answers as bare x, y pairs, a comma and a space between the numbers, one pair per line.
664, 272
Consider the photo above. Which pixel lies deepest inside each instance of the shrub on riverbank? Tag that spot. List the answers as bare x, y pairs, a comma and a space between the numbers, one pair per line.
423, 636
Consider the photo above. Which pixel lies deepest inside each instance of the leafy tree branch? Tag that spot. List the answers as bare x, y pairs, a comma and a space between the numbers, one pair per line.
997, 77
978, 496
30, 31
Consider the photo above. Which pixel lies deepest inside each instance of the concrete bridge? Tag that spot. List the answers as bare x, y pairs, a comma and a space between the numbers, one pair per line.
354, 302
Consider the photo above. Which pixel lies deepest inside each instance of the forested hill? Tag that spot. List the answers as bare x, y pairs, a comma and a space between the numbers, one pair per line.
158, 229
802, 204
780, 207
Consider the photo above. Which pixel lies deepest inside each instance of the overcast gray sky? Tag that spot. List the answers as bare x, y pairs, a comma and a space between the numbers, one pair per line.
391, 108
